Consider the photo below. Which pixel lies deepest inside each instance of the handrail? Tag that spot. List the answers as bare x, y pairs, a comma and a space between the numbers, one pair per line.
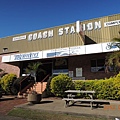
24, 79
28, 86
43, 81
45, 78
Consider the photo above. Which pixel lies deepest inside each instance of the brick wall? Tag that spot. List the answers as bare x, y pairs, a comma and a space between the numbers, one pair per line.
10, 68
84, 62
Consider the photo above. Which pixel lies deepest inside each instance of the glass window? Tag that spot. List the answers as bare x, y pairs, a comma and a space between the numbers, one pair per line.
97, 65
93, 63
100, 62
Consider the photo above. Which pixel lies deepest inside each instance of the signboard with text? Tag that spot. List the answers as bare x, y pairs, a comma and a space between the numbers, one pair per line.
60, 52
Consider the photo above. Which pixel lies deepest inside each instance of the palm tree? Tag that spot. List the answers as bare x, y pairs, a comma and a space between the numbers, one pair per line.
113, 59
34, 68
117, 39
2, 73
1, 70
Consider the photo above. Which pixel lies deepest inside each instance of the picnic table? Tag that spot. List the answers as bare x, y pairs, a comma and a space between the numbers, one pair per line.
71, 92
71, 97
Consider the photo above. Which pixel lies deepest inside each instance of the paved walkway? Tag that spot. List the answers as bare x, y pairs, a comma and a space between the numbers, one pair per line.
7, 103
57, 105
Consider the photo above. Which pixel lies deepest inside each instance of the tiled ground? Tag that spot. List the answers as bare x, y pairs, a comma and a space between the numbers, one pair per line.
7, 104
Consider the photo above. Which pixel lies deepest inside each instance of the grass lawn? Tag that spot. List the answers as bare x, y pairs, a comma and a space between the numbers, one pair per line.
45, 115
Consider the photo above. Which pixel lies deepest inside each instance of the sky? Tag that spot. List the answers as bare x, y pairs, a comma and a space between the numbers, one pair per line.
21, 16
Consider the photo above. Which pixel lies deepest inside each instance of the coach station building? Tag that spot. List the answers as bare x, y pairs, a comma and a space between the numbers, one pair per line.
77, 49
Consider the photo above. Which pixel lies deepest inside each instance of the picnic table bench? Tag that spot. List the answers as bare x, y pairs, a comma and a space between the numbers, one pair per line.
71, 98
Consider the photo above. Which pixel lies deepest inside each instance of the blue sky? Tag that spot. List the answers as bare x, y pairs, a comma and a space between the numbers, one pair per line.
20, 16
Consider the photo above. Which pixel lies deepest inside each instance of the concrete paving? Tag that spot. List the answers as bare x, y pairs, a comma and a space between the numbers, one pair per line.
5, 117
58, 105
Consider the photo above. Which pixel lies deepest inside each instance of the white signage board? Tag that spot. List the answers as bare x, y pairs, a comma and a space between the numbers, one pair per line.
77, 50
71, 74
109, 46
23, 37
62, 52
6, 58
112, 23
49, 53
94, 48
26, 56
78, 72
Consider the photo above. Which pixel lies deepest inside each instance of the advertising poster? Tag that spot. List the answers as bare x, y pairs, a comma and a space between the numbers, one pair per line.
71, 74
78, 72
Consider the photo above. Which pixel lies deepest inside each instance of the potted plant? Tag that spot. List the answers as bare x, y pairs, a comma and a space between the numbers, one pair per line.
33, 69
34, 97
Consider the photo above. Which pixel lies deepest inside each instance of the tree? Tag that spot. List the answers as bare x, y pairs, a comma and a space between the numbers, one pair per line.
33, 69
113, 59
117, 39
2, 73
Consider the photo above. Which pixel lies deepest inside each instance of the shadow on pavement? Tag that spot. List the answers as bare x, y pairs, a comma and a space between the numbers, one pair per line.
5, 99
41, 102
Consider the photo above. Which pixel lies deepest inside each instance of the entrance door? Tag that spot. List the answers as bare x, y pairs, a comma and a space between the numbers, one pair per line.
47, 67
60, 66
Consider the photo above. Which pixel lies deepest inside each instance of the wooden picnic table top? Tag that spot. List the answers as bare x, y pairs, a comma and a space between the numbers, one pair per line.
79, 91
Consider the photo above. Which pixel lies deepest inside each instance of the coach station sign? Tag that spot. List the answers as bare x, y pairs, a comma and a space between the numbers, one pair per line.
67, 30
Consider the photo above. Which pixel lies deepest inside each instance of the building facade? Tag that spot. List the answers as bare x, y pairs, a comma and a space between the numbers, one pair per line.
77, 49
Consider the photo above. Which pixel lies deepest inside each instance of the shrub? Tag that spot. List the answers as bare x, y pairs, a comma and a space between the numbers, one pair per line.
104, 88
79, 85
84, 85
16, 85
116, 86
7, 83
48, 88
60, 84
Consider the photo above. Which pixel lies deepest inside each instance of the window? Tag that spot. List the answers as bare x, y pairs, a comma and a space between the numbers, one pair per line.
97, 65
60, 65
